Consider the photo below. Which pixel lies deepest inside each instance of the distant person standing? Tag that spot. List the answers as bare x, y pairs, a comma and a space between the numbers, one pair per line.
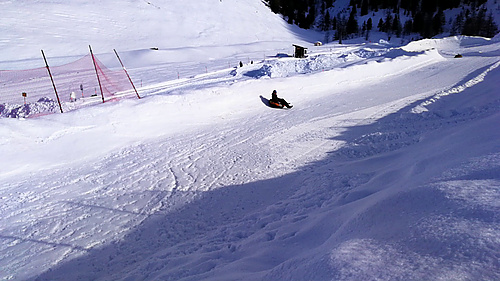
72, 97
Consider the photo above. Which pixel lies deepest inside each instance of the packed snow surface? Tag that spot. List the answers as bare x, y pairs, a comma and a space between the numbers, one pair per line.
386, 168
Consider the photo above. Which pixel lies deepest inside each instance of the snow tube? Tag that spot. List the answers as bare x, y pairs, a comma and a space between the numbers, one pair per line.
275, 104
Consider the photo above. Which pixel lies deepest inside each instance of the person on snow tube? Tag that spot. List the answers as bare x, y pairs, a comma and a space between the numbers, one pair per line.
278, 102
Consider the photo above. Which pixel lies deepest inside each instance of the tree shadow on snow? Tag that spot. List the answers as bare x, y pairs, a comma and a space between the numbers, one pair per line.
289, 227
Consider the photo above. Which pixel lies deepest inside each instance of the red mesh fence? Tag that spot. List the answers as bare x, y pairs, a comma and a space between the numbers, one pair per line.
28, 93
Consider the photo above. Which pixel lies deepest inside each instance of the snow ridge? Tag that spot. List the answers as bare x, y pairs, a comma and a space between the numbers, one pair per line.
455, 90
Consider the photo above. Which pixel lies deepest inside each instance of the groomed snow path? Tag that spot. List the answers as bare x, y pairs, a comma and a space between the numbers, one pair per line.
387, 169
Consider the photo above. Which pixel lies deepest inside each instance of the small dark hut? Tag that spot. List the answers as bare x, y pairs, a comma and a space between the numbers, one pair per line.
300, 52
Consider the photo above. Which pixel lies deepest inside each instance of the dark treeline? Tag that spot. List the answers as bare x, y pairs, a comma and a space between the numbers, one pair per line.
424, 17
300, 12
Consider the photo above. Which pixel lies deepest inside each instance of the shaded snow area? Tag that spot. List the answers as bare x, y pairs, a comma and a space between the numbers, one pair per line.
386, 168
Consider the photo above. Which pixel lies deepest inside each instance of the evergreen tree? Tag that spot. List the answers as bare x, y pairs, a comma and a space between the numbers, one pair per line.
311, 17
326, 24
381, 25
426, 17
428, 30
369, 24
364, 7
352, 23
470, 27
491, 29
429, 6
396, 26
438, 22
457, 25
275, 6
413, 6
408, 27
340, 32
418, 23
388, 22
481, 22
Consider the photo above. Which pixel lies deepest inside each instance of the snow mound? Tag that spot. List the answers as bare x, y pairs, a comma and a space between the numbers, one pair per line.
322, 62
44, 105
426, 44
328, 61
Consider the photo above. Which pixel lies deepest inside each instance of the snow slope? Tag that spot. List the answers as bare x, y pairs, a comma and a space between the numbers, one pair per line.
188, 30
387, 168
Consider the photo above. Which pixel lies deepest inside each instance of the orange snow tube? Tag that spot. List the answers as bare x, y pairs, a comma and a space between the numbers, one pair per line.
275, 104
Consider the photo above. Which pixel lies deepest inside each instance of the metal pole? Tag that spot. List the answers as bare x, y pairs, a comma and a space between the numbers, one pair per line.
51, 79
127, 74
96, 73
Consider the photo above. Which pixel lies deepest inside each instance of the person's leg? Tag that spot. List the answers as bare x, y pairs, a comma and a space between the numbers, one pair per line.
283, 102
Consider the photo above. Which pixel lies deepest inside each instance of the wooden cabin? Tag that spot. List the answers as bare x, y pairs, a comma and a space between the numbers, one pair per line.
300, 52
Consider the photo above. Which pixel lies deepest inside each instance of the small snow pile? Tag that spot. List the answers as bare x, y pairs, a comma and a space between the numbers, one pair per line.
42, 106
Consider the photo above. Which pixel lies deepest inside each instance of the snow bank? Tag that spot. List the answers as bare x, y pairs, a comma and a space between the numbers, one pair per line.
426, 44
286, 67
42, 106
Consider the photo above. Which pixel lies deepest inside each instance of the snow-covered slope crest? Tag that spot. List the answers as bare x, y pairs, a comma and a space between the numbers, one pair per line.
65, 28
457, 43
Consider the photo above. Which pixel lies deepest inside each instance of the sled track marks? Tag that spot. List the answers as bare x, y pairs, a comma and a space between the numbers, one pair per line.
222, 76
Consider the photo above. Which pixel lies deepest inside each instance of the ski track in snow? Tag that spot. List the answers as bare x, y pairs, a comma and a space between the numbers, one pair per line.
259, 194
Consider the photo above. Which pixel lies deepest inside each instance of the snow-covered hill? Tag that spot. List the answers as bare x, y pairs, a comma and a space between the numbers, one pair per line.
211, 27
386, 168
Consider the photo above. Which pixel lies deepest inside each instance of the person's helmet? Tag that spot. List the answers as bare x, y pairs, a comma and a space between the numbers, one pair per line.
274, 92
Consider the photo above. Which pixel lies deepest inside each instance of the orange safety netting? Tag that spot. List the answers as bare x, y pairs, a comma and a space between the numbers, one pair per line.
25, 93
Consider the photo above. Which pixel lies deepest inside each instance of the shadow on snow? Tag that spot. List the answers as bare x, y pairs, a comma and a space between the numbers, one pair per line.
291, 227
